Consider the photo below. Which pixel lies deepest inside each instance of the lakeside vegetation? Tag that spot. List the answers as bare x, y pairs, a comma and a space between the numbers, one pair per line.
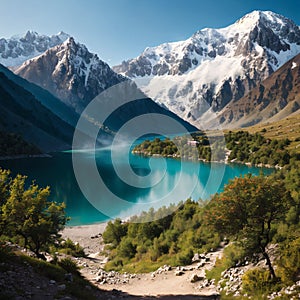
12, 144
239, 146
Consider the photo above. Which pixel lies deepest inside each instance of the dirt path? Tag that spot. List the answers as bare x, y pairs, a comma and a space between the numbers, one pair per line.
163, 283
167, 282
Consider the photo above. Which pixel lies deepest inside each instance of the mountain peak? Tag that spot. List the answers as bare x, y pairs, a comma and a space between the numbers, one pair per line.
19, 48
70, 72
257, 15
62, 35
250, 18
279, 24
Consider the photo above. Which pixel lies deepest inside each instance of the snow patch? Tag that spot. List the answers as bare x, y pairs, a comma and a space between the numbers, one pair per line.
19, 48
294, 65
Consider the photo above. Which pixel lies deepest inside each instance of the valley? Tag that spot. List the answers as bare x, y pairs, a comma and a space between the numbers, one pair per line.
173, 174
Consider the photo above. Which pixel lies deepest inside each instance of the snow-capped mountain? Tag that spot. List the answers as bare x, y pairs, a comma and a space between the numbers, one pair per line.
76, 76
17, 49
70, 72
199, 76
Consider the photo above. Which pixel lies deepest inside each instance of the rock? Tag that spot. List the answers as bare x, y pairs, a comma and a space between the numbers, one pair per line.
201, 264
105, 260
196, 258
194, 278
49, 258
99, 278
179, 273
69, 277
62, 287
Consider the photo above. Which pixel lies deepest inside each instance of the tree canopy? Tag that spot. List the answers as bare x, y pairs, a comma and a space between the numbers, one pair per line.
27, 213
247, 210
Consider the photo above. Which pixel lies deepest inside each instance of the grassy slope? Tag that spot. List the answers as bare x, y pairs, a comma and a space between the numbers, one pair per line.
285, 128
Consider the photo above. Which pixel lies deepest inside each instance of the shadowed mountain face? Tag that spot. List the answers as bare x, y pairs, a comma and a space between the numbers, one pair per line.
273, 99
38, 116
44, 97
22, 113
214, 67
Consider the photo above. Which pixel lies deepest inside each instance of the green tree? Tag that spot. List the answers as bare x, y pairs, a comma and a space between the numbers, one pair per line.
247, 210
114, 232
4, 193
26, 212
126, 248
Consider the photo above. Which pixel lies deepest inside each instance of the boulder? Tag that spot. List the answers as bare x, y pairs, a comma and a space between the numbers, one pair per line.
194, 278
179, 273
196, 258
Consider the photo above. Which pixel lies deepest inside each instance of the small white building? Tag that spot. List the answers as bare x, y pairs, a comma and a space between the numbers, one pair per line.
193, 143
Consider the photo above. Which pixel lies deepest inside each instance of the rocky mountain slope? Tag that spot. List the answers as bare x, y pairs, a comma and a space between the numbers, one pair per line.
71, 73
273, 99
17, 49
201, 75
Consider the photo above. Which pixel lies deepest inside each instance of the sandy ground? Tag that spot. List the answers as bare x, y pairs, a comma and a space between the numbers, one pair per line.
165, 285
88, 236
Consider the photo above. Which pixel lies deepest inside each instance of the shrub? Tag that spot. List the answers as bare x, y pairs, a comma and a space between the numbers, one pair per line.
114, 265
289, 263
5, 252
114, 232
234, 254
69, 265
73, 249
258, 282
185, 257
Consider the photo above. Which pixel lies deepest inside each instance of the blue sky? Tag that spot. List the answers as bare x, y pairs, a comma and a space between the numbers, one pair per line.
122, 29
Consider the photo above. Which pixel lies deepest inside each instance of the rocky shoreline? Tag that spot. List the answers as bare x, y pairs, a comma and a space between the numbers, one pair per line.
9, 157
225, 161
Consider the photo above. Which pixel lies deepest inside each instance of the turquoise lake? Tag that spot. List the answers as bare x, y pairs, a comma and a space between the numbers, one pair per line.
163, 181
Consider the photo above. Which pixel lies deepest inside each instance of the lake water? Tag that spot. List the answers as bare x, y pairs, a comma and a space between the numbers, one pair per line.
160, 182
